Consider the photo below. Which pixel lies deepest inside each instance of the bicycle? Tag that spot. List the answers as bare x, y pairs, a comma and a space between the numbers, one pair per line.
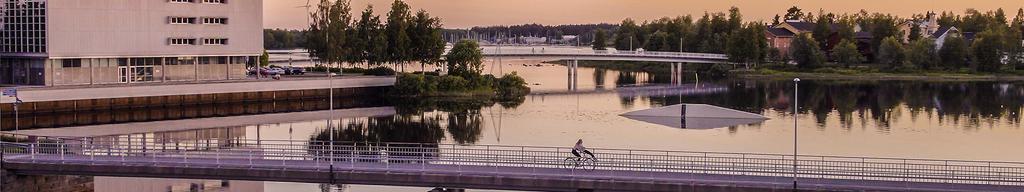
586, 163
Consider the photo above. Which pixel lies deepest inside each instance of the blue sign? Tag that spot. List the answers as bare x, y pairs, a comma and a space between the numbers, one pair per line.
10, 92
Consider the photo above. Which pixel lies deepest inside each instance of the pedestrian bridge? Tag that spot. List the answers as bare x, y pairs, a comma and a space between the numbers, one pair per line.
558, 53
493, 166
547, 53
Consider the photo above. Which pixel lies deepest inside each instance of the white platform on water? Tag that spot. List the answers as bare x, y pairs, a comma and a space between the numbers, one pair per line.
695, 116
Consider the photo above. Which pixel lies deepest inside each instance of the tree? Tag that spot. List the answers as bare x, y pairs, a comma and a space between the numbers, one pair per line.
989, 49
747, 44
922, 53
599, 40
465, 59
625, 38
265, 59
806, 53
427, 45
954, 52
776, 20
397, 33
340, 49
846, 53
318, 34
794, 13
883, 26
891, 52
822, 31
915, 33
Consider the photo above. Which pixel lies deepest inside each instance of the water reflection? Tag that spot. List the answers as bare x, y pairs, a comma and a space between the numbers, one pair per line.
969, 104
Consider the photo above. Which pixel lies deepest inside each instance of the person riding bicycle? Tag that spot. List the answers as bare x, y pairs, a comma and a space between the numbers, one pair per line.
580, 148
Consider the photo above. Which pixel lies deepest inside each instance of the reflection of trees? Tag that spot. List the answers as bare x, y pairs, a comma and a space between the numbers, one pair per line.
599, 75
465, 127
878, 102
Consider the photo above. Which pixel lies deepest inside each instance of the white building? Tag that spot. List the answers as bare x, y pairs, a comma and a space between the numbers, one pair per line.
76, 42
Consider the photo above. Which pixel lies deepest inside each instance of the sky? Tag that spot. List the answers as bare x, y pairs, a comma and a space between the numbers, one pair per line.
469, 13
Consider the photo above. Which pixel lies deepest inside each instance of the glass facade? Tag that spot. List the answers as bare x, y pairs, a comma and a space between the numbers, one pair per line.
22, 26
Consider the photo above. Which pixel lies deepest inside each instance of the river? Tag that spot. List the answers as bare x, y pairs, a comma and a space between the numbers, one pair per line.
978, 120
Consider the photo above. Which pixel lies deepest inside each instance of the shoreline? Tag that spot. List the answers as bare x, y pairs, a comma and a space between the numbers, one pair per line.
879, 76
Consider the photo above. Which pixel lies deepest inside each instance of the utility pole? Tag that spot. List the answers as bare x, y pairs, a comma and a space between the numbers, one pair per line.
796, 107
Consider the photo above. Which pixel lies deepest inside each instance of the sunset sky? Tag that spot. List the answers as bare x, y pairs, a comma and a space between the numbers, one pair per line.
469, 13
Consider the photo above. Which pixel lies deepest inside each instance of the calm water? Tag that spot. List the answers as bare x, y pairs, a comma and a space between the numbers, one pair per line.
908, 119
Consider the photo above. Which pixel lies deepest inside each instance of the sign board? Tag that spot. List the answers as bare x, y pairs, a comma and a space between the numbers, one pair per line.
10, 92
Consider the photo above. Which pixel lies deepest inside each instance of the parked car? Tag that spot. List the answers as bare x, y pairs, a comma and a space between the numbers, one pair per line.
275, 71
294, 70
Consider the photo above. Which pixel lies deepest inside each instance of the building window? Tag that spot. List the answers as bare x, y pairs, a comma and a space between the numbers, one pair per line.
181, 20
182, 1
215, 41
215, 1
215, 20
181, 41
71, 63
22, 26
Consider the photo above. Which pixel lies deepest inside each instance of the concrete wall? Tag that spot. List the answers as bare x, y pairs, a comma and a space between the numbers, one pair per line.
121, 28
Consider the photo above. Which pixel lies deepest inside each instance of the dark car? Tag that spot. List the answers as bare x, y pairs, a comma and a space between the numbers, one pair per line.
294, 71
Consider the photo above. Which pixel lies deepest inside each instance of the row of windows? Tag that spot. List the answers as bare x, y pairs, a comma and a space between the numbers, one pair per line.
194, 41
203, 1
156, 61
193, 20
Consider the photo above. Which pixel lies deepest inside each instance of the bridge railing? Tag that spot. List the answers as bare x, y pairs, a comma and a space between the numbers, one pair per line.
587, 52
504, 159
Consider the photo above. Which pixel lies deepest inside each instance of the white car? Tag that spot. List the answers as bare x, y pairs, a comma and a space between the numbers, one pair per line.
275, 71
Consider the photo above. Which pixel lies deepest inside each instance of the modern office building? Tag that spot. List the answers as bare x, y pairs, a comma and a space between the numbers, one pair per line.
83, 42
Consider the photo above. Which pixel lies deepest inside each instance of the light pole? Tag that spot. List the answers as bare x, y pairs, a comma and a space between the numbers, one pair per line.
796, 107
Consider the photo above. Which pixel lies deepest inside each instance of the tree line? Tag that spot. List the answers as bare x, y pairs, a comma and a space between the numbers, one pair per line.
278, 39
996, 45
718, 32
403, 37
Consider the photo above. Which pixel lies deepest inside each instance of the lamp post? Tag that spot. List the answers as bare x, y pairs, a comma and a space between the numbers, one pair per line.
796, 107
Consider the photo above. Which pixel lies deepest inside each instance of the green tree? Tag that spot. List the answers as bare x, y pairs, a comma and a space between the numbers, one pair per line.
625, 38
891, 52
599, 40
989, 49
882, 26
922, 54
794, 13
954, 52
915, 33
748, 44
806, 53
427, 43
846, 53
265, 59
318, 35
465, 59
340, 29
822, 31
398, 38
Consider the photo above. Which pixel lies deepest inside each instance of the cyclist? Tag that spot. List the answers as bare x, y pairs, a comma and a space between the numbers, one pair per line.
580, 148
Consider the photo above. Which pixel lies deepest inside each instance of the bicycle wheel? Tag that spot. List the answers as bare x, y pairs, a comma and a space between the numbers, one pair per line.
569, 163
588, 164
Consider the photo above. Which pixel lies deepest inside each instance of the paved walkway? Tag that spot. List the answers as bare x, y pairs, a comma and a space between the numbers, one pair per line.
541, 174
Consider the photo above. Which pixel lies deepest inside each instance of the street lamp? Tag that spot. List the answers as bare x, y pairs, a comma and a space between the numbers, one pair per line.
796, 107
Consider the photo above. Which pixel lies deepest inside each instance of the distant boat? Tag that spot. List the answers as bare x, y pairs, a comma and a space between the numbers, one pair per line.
695, 116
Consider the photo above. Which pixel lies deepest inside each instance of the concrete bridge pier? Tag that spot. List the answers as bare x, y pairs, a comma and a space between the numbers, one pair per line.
573, 74
676, 72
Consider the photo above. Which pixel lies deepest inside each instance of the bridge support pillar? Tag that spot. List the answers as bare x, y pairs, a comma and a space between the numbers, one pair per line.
572, 80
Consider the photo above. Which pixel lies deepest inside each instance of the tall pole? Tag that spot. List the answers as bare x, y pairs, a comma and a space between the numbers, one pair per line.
796, 107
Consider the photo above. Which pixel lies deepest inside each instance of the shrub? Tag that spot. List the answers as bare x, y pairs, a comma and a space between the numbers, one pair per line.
511, 85
451, 84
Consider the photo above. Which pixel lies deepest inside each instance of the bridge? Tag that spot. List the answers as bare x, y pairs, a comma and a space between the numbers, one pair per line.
493, 166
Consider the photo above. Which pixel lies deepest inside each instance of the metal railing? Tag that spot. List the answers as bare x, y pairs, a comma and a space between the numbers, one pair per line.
508, 160
612, 53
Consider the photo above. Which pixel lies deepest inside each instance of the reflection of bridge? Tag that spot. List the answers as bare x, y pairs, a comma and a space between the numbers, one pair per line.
646, 91
499, 167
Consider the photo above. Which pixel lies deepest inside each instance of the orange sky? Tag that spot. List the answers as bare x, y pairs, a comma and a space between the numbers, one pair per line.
468, 13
